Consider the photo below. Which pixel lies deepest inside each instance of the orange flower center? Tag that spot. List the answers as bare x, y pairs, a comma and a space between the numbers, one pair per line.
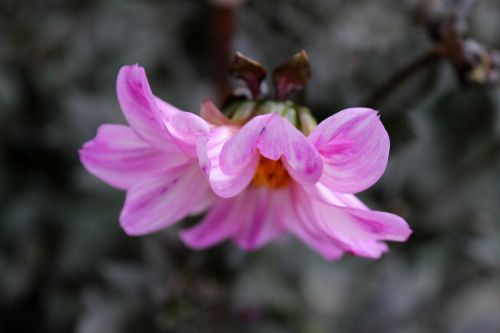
271, 174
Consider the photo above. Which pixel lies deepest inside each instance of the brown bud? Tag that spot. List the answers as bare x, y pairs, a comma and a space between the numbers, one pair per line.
248, 70
292, 75
483, 64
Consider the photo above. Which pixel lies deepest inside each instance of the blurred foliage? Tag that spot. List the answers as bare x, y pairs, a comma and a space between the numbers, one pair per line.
66, 266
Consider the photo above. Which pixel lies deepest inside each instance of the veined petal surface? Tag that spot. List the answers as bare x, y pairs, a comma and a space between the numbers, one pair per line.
354, 146
223, 184
274, 137
251, 220
145, 113
121, 158
343, 220
158, 202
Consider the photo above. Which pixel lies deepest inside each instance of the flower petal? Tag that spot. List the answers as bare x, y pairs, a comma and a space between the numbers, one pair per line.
274, 137
145, 113
325, 246
356, 230
187, 129
354, 146
266, 220
252, 219
225, 185
159, 202
118, 156
395, 229
218, 225
167, 111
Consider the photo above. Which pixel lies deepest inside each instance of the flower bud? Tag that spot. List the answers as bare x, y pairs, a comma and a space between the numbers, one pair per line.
292, 76
250, 71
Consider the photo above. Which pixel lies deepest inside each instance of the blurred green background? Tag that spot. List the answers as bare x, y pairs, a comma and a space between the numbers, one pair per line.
66, 265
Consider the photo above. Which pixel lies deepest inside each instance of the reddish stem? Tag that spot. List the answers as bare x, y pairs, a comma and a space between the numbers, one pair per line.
223, 32
403, 74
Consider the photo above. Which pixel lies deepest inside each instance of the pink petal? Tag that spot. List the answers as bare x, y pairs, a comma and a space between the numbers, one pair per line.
354, 146
396, 228
145, 113
159, 202
274, 137
121, 158
356, 230
252, 220
188, 130
266, 219
167, 111
218, 225
228, 186
225, 185
308, 232
322, 192
323, 245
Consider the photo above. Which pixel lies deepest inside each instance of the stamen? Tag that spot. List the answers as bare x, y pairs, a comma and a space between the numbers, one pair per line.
272, 174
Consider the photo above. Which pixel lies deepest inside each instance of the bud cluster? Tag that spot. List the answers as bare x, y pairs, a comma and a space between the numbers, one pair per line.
288, 78
474, 62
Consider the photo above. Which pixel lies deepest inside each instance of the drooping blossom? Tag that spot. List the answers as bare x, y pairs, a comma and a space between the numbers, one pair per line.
277, 180
268, 177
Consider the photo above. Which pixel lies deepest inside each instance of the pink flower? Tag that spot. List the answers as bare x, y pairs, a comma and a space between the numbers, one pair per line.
268, 177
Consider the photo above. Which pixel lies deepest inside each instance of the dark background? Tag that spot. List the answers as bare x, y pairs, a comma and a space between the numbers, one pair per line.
65, 264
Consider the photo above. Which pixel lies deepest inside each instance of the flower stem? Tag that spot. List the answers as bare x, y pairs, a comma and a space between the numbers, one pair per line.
403, 74
223, 32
